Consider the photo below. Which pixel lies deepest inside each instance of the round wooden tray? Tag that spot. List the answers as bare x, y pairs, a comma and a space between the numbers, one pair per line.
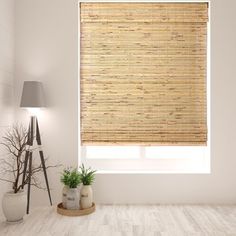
80, 212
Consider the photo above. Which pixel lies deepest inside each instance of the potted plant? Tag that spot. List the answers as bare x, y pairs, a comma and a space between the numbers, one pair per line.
71, 197
11, 171
65, 180
87, 177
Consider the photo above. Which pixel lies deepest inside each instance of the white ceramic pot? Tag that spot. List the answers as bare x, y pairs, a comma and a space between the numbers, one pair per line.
86, 196
14, 206
72, 199
64, 195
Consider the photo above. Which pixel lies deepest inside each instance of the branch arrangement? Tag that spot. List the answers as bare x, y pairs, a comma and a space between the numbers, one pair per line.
12, 164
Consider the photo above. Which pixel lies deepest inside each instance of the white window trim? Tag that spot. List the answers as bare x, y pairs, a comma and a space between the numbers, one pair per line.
171, 165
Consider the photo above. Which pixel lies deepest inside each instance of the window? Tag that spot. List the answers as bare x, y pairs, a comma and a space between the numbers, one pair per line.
143, 80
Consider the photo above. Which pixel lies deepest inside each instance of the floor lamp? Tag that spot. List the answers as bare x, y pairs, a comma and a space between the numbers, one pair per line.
33, 97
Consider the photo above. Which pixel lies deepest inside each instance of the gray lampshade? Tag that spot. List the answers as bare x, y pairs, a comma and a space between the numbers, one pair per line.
32, 94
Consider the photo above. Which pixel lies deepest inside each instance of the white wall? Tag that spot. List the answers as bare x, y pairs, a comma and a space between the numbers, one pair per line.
7, 64
46, 49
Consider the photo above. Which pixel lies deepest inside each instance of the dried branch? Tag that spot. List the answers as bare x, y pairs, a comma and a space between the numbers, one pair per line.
15, 143
6, 180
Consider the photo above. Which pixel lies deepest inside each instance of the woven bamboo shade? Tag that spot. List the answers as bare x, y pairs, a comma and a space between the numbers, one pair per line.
143, 73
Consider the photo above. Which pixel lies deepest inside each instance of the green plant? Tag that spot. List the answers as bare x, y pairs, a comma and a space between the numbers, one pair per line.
87, 176
71, 178
65, 177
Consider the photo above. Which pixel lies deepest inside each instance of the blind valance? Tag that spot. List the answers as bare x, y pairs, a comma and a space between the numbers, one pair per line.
143, 73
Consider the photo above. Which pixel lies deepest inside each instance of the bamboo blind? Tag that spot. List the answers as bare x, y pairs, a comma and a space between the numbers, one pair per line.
143, 73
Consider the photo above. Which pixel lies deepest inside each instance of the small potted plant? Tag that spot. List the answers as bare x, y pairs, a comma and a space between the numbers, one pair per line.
11, 171
87, 177
65, 180
71, 196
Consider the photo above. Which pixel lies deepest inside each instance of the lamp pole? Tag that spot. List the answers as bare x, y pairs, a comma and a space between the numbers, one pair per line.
32, 97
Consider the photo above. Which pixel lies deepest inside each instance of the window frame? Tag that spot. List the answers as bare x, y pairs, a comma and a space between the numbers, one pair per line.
171, 165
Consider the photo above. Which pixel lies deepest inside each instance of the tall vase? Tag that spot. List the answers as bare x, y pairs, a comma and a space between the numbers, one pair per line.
86, 196
64, 195
73, 199
14, 206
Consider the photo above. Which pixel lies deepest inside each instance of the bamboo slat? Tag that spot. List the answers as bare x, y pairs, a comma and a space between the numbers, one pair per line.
143, 73
144, 12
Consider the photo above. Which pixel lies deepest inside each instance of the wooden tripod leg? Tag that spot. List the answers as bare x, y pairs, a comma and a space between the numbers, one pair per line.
45, 175
29, 141
29, 182
25, 167
38, 139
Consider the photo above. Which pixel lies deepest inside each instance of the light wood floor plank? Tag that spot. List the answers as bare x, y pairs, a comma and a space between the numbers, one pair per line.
130, 220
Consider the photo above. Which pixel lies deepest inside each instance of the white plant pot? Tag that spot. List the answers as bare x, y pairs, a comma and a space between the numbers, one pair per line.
14, 206
64, 195
73, 199
86, 196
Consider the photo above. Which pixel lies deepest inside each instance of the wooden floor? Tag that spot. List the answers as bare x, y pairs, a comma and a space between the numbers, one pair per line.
135, 220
